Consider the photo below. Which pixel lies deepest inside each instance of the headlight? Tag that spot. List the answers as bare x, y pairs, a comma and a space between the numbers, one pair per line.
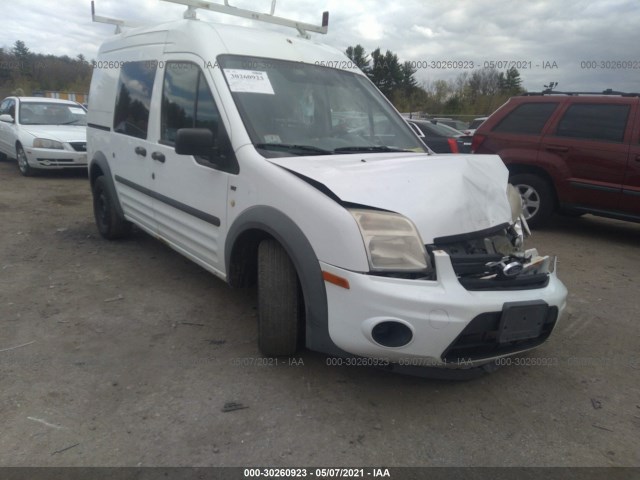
46, 143
517, 211
391, 241
515, 200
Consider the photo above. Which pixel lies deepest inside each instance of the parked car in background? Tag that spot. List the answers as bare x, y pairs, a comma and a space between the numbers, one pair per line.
475, 123
576, 153
43, 133
443, 139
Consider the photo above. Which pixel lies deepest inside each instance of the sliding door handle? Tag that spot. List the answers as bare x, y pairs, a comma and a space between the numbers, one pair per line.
141, 151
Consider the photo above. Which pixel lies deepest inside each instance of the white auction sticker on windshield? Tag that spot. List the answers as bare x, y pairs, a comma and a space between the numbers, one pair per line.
250, 81
76, 110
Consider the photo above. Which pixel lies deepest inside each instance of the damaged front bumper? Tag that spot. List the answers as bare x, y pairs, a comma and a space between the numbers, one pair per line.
439, 322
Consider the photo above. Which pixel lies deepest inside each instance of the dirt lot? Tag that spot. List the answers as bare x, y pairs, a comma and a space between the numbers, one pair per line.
125, 354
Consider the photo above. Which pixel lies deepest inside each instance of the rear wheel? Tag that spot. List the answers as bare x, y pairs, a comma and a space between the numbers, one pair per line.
280, 306
537, 198
110, 225
23, 162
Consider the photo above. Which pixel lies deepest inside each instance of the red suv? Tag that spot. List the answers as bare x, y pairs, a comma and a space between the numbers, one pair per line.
572, 152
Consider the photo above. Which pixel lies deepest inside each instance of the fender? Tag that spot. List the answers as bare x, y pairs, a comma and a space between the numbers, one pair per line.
99, 160
288, 234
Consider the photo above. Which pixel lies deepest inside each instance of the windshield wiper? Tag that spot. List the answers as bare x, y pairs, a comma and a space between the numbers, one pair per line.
289, 147
370, 148
69, 123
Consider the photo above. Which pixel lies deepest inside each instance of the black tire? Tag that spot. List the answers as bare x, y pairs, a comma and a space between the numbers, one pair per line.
279, 301
110, 225
23, 164
537, 198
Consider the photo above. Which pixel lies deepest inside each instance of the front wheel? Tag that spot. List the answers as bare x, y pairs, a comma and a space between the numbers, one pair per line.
110, 225
23, 162
537, 198
280, 308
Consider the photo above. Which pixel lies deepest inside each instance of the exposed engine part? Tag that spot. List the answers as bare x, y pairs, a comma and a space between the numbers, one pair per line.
496, 261
507, 267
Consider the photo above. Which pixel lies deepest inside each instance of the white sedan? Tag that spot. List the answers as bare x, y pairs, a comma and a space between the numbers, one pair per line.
43, 133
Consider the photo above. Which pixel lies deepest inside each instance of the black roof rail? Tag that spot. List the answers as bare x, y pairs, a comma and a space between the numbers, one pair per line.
608, 91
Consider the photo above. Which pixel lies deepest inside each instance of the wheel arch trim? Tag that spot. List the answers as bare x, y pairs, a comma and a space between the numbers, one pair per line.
100, 163
283, 229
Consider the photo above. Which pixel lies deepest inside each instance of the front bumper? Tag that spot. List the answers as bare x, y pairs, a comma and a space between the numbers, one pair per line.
437, 314
46, 158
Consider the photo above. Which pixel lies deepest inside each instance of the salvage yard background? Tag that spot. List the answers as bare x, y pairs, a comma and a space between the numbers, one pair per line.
125, 354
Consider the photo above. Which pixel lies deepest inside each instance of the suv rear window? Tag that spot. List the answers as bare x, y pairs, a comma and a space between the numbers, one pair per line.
594, 122
529, 118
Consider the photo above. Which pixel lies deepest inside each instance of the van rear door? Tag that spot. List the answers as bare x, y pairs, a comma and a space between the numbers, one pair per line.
130, 162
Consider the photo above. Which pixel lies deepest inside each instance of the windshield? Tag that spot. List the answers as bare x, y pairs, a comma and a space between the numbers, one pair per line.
296, 109
51, 113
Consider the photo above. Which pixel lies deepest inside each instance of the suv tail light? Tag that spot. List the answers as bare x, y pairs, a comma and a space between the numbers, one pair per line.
476, 142
453, 144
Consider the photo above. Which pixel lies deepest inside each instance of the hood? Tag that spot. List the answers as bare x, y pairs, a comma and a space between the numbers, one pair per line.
442, 194
61, 133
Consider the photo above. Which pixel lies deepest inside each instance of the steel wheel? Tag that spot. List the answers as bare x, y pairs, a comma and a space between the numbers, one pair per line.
538, 200
23, 163
530, 200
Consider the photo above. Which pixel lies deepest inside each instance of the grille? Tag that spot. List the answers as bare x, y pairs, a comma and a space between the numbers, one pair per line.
480, 338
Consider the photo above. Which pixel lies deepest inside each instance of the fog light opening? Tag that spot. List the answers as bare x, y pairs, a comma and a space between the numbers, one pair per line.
391, 334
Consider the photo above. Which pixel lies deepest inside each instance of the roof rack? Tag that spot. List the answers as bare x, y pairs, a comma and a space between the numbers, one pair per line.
110, 21
604, 92
303, 28
193, 5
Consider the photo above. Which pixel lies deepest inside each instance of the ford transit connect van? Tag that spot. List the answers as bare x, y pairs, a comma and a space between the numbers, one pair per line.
270, 158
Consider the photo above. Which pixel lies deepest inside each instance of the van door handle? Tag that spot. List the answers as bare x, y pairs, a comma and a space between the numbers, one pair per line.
157, 156
557, 148
141, 151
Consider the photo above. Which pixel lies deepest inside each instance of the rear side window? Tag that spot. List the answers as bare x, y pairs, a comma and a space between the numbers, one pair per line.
131, 115
528, 118
594, 122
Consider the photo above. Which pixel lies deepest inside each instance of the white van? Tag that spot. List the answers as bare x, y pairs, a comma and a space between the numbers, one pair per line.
270, 158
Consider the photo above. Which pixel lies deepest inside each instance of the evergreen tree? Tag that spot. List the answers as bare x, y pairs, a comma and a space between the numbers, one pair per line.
20, 51
358, 56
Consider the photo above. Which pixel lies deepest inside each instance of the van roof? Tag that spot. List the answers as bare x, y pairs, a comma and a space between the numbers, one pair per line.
207, 40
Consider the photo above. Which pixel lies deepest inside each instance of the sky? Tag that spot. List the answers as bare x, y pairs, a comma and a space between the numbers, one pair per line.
582, 45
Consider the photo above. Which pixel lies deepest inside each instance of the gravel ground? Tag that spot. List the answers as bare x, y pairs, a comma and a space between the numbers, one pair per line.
125, 354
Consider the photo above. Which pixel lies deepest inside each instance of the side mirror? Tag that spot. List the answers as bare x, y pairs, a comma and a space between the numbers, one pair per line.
6, 118
194, 141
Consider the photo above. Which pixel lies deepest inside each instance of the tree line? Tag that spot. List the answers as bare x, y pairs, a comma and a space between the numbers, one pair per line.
25, 72
476, 93
471, 93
